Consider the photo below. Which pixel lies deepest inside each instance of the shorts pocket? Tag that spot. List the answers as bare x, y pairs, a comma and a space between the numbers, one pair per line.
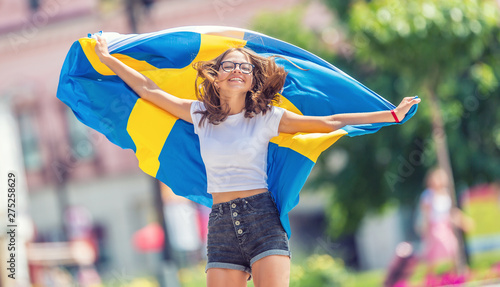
262, 207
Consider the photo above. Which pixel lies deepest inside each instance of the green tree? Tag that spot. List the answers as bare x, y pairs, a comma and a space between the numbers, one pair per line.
431, 43
287, 26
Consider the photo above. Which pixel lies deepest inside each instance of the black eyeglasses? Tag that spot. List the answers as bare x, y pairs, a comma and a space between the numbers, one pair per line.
228, 66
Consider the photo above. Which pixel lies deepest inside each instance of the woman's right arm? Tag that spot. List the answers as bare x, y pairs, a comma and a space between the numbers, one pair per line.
142, 85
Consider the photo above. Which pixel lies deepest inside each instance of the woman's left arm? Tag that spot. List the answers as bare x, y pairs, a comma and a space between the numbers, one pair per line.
293, 123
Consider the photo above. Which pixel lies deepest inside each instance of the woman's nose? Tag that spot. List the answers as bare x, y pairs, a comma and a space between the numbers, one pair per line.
237, 66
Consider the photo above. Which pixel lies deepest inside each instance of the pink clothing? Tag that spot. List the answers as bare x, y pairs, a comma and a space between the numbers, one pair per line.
439, 239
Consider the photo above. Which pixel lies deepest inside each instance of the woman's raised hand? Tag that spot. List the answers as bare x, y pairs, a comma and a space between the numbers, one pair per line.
402, 109
101, 48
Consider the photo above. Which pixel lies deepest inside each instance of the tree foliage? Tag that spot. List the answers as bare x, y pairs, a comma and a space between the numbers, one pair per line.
406, 48
411, 47
287, 26
423, 40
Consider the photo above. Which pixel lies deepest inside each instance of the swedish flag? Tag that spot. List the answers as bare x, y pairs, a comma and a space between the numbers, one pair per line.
167, 148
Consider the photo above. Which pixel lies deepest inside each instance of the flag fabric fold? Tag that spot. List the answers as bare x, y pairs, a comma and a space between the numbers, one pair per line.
167, 148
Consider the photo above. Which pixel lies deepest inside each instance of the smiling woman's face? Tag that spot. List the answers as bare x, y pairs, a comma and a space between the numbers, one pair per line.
235, 80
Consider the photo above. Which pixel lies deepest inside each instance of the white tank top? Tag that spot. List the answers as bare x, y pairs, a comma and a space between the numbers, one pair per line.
235, 151
439, 204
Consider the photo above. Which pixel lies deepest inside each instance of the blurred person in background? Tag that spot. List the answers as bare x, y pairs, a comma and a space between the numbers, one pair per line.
402, 266
438, 221
234, 119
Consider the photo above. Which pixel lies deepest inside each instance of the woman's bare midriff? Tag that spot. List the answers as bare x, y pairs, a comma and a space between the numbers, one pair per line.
231, 195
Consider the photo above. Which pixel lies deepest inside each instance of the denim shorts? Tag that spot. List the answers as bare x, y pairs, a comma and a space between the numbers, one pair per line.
244, 230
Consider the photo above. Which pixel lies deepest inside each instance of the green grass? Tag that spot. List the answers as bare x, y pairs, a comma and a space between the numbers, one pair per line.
481, 264
322, 266
322, 270
367, 278
480, 270
485, 214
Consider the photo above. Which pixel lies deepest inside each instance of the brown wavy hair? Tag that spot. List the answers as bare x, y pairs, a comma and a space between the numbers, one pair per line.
268, 80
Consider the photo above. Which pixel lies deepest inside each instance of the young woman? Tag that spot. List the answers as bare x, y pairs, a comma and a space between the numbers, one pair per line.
235, 120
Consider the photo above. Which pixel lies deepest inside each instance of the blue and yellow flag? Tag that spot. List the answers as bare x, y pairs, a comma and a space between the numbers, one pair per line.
167, 148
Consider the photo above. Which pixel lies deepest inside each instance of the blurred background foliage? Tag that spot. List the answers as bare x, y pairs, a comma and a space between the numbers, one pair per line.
323, 270
286, 27
449, 50
316, 270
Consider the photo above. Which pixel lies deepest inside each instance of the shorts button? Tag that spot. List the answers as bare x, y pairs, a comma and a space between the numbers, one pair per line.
235, 214
237, 223
233, 205
240, 231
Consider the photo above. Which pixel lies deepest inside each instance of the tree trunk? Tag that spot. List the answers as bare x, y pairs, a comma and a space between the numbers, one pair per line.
443, 157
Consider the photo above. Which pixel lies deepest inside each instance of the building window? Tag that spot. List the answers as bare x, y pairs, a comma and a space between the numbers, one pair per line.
81, 143
29, 141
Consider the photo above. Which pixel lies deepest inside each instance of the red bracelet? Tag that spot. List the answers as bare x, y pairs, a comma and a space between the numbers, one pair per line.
394, 115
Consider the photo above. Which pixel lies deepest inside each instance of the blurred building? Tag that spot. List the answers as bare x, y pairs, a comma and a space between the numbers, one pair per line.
65, 163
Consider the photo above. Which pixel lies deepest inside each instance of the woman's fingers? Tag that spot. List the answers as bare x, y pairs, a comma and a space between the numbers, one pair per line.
411, 100
101, 41
101, 47
406, 105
